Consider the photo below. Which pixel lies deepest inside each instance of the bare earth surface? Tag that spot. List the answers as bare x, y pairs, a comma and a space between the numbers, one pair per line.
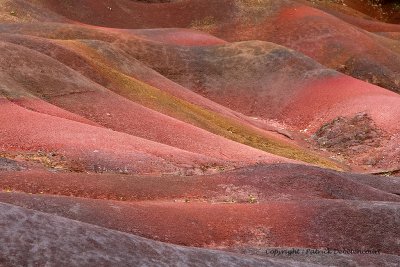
199, 133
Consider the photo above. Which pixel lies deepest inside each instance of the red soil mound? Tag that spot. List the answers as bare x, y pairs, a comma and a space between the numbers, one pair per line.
115, 112
89, 147
298, 91
326, 101
333, 43
267, 183
248, 88
68, 242
122, 115
298, 26
314, 224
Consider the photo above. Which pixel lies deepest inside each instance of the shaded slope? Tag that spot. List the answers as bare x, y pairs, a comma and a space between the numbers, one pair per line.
12, 11
317, 224
337, 45
372, 12
12, 90
40, 238
290, 23
186, 37
120, 13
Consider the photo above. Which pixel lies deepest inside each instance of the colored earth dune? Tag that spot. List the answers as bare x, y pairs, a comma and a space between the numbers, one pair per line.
199, 133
